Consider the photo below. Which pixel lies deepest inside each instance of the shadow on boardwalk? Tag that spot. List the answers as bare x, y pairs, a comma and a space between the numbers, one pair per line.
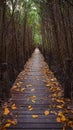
37, 100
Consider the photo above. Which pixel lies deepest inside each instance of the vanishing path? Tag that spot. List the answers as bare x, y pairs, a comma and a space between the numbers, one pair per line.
32, 98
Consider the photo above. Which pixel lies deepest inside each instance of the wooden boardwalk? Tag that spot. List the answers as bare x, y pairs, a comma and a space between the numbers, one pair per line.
31, 99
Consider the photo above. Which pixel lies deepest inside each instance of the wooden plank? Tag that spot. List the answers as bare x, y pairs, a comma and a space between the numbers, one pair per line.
26, 112
68, 128
38, 126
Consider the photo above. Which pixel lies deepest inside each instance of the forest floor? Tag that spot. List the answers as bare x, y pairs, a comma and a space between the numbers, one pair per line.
37, 101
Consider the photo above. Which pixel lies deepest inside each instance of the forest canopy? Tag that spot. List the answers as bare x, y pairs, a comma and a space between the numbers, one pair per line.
31, 9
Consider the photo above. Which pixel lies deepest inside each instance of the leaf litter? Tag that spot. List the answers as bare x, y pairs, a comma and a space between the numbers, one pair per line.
64, 112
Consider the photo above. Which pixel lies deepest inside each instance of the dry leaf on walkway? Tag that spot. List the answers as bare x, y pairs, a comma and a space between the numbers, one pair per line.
34, 97
60, 106
47, 85
14, 122
13, 106
23, 89
70, 123
14, 87
6, 111
7, 125
29, 85
34, 116
58, 119
32, 90
61, 116
46, 113
30, 108
33, 100
60, 100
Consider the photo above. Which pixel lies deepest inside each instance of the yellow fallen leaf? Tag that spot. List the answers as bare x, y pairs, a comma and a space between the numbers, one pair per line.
61, 106
47, 85
33, 100
60, 100
46, 113
14, 87
34, 97
72, 111
30, 108
62, 117
29, 85
22, 89
34, 116
70, 123
60, 113
6, 111
32, 90
54, 94
7, 125
58, 119
13, 106
14, 122
18, 84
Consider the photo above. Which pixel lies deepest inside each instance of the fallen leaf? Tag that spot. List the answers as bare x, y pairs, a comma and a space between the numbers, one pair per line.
70, 123
60, 100
7, 125
47, 85
33, 101
13, 106
54, 94
34, 116
30, 108
34, 97
14, 122
58, 119
22, 89
29, 85
32, 90
14, 87
6, 111
61, 106
62, 117
46, 113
